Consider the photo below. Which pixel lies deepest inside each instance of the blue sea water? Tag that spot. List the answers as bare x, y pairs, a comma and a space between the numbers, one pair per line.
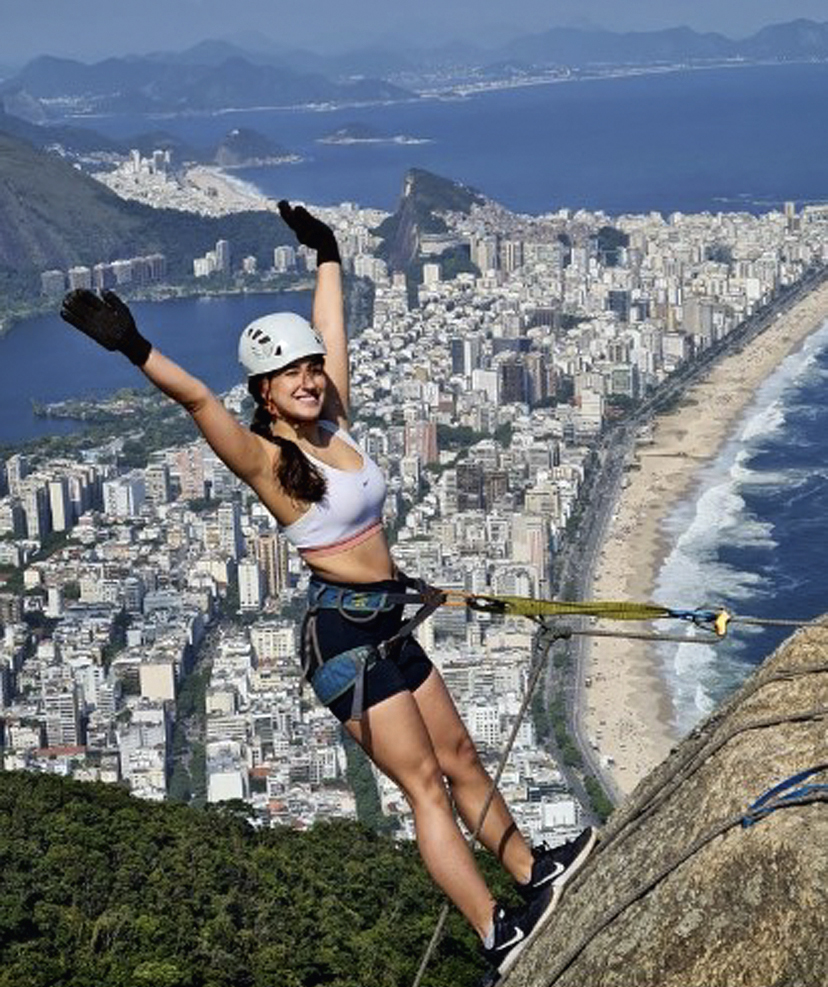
721, 139
752, 538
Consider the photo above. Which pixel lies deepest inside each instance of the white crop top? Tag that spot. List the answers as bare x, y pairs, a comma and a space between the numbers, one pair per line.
351, 509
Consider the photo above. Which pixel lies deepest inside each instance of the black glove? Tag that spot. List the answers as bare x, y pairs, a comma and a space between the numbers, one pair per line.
311, 232
107, 320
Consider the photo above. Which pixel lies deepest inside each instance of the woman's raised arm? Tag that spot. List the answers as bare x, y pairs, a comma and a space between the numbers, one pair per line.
236, 446
107, 320
328, 305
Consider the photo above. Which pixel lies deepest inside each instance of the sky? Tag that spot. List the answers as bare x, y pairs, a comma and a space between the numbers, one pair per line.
90, 30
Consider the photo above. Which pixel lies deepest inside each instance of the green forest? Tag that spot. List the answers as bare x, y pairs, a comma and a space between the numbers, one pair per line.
100, 888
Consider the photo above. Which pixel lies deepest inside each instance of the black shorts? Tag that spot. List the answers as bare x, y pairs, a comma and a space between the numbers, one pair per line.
404, 670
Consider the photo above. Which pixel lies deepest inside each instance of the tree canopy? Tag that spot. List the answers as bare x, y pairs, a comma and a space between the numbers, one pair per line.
102, 888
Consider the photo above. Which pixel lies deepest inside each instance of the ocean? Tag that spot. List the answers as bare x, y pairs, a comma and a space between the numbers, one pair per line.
741, 138
753, 538
737, 139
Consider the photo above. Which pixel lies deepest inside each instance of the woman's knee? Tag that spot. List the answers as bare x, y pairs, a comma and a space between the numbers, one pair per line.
426, 786
460, 759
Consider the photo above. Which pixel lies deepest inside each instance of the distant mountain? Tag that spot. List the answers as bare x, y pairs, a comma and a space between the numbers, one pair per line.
218, 75
355, 132
243, 147
579, 46
172, 84
52, 215
79, 144
75, 141
363, 133
796, 39
801, 39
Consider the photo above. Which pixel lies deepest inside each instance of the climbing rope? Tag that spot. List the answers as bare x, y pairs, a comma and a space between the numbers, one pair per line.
784, 794
696, 758
543, 643
714, 621
772, 799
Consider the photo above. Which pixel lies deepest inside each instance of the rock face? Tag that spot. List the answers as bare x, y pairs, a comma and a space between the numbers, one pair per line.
679, 893
424, 197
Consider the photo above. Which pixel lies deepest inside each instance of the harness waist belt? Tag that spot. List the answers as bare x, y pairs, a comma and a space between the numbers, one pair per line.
333, 677
327, 596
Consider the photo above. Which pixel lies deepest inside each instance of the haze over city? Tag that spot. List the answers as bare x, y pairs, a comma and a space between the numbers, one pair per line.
89, 30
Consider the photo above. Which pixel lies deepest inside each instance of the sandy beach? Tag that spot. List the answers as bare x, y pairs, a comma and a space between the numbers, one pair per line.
628, 711
225, 193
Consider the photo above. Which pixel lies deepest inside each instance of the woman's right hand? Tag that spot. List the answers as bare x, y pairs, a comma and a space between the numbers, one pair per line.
311, 232
107, 320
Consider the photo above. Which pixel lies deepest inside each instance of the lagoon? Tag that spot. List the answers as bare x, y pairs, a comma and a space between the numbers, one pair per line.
44, 359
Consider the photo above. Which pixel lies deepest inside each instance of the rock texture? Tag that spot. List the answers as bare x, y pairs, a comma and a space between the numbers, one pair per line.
679, 893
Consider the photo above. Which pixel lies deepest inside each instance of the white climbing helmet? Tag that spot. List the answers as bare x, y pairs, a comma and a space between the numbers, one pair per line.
275, 340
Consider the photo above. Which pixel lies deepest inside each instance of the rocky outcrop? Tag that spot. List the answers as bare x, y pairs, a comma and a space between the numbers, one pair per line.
424, 197
244, 148
679, 892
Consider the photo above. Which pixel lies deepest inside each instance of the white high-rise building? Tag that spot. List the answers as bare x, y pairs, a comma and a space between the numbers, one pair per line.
61, 706
284, 259
272, 554
431, 273
60, 504
229, 525
124, 496
35, 501
157, 483
223, 256
17, 469
251, 585
80, 277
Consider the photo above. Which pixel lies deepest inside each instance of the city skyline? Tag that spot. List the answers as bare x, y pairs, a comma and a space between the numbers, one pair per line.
88, 31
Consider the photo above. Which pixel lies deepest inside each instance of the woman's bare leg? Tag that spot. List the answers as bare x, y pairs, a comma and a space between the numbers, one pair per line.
470, 783
394, 736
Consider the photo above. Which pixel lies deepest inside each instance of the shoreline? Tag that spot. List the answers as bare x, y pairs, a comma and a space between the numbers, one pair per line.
628, 711
465, 90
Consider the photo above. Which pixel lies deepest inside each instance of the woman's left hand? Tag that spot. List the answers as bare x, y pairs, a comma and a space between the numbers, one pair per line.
311, 232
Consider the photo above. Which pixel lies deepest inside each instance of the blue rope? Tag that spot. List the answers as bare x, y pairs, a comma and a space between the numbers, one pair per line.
785, 793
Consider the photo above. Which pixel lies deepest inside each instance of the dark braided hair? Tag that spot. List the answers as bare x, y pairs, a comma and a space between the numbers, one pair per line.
296, 474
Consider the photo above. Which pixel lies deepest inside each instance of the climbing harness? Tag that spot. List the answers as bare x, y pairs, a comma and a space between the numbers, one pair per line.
333, 677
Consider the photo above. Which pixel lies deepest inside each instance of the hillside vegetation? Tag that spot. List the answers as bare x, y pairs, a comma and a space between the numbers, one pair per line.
52, 215
101, 888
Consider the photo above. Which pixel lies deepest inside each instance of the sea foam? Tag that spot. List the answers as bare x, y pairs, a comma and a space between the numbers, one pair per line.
723, 554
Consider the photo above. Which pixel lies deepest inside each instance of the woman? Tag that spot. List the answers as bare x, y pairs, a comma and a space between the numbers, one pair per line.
327, 495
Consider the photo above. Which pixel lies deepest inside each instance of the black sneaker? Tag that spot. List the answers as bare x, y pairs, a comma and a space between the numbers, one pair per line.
555, 866
514, 929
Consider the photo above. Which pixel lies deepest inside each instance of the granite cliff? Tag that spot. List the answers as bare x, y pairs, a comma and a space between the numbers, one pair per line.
680, 893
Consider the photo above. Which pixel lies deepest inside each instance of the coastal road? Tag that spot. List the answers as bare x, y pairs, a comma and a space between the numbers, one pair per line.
575, 575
